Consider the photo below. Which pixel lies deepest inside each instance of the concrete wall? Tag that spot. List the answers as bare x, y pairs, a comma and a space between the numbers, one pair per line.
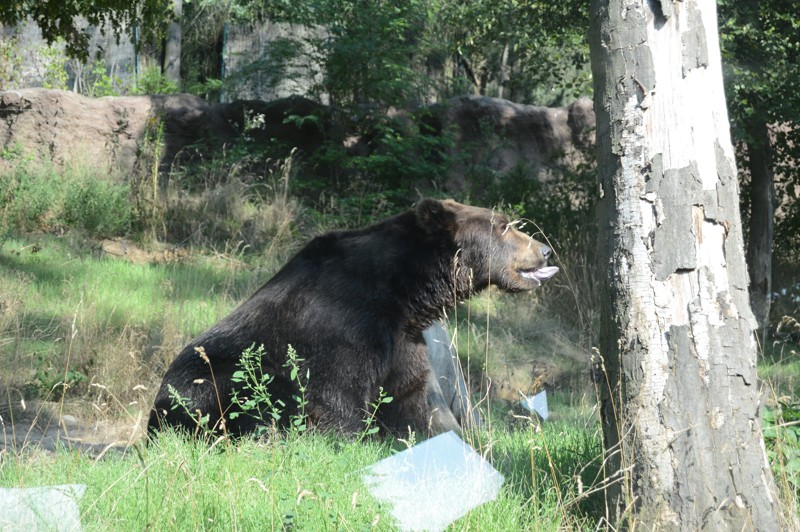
26, 60
254, 74
35, 61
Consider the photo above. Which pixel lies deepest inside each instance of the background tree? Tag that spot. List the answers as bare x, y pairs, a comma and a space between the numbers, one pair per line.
680, 412
428, 50
760, 42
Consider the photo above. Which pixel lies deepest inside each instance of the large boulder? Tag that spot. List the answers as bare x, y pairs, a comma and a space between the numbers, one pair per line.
502, 135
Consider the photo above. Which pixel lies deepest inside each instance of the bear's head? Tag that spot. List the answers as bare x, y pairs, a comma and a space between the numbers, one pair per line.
491, 249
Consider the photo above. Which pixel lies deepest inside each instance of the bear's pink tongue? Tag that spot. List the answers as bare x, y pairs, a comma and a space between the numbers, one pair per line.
543, 274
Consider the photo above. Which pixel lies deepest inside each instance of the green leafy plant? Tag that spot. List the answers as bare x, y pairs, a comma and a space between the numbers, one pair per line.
209, 88
370, 427
46, 378
179, 402
403, 153
52, 69
252, 394
152, 81
782, 437
98, 206
38, 196
15, 152
30, 197
297, 422
101, 83
11, 62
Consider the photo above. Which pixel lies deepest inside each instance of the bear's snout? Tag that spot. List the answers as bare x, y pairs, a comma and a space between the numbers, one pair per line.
531, 269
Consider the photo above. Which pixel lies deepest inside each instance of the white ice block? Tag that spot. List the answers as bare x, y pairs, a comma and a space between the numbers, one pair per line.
536, 404
41, 508
433, 483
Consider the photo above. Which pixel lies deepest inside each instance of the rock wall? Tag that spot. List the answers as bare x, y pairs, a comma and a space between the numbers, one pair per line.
110, 131
246, 60
34, 61
506, 135
106, 131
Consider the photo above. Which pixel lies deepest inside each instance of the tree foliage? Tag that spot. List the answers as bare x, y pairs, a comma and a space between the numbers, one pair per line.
371, 49
421, 49
761, 43
536, 51
68, 20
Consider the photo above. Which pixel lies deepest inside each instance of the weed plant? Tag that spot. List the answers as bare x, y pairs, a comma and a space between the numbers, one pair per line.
255, 401
253, 396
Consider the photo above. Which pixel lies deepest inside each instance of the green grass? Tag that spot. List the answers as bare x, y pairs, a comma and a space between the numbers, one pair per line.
179, 485
779, 360
65, 307
307, 481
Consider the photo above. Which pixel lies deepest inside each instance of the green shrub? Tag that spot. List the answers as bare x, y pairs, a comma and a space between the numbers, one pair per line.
42, 197
97, 206
29, 198
11, 60
102, 83
404, 153
152, 81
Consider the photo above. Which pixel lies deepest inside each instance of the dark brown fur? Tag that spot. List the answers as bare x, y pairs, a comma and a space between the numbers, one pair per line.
354, 304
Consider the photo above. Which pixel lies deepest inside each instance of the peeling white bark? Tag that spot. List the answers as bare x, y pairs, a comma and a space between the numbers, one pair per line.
678, 341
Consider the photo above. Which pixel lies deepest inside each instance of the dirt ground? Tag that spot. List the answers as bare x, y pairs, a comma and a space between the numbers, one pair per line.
47, 428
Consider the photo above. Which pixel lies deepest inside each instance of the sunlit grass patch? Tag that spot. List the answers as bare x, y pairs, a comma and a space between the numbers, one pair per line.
307, 481
71, 312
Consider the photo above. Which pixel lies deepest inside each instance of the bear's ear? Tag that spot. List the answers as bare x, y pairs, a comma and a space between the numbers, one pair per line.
433, 215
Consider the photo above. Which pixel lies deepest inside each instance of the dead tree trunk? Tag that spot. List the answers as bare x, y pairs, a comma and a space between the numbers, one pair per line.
681, 406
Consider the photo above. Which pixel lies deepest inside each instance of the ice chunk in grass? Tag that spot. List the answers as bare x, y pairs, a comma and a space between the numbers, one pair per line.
536, 404
433, 483
41, 508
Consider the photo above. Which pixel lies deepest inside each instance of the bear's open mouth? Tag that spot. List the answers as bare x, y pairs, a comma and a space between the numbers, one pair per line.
538, 274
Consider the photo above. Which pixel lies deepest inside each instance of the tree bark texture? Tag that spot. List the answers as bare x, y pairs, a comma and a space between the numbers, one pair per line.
680, 401
762, 219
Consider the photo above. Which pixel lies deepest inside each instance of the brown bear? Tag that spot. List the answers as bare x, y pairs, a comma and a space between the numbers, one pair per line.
353, 305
